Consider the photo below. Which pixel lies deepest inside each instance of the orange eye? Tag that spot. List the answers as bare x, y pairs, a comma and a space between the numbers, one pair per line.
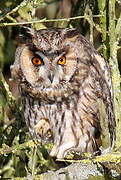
37, 61
62, 60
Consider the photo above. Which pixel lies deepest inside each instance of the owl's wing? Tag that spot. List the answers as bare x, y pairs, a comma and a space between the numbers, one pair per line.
104, 78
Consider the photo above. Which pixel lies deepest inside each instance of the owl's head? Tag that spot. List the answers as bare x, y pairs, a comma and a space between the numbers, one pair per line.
48, 59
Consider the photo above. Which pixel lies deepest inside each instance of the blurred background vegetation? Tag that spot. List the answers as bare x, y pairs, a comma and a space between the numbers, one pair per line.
99, 21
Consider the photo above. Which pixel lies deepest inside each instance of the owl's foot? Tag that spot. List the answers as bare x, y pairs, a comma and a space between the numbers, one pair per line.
43, 128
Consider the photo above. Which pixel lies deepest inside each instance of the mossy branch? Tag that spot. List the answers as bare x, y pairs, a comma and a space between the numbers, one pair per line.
111, 157
115, 70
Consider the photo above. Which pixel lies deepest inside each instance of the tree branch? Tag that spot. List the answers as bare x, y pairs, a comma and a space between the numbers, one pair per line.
46, 20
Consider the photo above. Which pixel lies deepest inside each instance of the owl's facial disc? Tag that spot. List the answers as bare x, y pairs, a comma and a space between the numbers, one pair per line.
54, 70
45, 71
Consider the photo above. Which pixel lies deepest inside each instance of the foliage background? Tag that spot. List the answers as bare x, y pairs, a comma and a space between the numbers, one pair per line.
99, 21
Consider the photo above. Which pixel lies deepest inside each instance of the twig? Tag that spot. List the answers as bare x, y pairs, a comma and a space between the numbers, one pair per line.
10, 98
46, 20
119, 47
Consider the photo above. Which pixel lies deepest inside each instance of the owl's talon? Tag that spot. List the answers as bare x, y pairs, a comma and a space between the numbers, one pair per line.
43, 127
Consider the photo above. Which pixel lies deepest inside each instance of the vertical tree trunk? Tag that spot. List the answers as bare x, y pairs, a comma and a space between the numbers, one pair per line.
110, 37
102, 4
113, 42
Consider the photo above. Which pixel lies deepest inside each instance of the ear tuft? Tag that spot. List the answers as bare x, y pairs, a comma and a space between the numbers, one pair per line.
26, 34
70, 33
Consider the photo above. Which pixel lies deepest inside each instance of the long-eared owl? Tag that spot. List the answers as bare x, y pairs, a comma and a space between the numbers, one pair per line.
62, 81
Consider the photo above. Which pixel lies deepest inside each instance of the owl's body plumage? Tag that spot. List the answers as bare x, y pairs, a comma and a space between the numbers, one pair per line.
62, 80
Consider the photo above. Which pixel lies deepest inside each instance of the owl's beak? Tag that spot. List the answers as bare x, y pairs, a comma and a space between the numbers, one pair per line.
51, 77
